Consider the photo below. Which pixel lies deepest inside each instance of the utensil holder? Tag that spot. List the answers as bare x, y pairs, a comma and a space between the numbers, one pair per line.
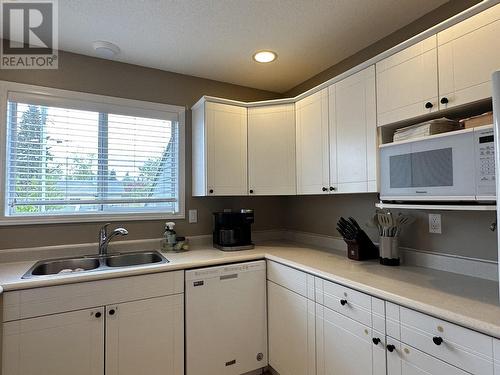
389, 251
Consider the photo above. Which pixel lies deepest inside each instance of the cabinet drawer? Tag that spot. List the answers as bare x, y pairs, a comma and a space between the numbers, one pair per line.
459, 346
29, 303
344, 300
405, 360
292, 279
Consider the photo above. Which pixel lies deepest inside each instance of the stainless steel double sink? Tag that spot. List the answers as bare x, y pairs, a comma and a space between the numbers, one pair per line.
64, 266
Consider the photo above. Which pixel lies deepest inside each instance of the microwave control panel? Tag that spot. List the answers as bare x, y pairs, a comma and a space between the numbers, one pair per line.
485, 162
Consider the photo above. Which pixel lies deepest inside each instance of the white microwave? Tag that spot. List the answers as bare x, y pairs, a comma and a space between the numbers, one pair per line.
454, 166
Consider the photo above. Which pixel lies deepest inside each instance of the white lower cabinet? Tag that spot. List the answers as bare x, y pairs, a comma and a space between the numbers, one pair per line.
291, 333
124, 339
146, 337
143, 336
59, 344
405, 360
346, 347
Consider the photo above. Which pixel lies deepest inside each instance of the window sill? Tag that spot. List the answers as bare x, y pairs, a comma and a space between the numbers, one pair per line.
91, 218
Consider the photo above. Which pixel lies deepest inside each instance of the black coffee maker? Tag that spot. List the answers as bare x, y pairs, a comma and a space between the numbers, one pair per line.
232, 230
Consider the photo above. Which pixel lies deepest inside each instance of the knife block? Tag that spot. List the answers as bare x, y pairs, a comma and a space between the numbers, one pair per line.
361, 251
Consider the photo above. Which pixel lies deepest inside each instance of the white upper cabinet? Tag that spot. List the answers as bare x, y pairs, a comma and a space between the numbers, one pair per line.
313, 174
353, 133
468, 54
271, 150
407, 83
219, 149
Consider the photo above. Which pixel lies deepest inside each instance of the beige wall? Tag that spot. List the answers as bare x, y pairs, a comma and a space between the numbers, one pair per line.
82, 73
463, 233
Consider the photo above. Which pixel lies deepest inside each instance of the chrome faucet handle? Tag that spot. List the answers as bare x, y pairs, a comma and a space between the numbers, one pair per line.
104, 228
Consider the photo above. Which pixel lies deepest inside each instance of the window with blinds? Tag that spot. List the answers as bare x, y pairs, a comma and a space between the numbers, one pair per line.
67, 157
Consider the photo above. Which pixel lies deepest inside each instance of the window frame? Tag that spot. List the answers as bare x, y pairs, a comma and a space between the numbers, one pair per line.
52, 93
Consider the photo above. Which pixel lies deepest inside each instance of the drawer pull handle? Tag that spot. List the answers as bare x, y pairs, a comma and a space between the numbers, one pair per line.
437, 340
376, 340
390, 347
343, 302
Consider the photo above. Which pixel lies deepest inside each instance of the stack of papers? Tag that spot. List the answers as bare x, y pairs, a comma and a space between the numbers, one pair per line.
426, 129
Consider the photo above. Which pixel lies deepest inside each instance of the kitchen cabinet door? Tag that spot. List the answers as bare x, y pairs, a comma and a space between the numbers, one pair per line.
58, 344
407, 83
271, 150
406, 360
312, 144
146, 337
226, 149
291, 332
468, 54
353, 133
346, 347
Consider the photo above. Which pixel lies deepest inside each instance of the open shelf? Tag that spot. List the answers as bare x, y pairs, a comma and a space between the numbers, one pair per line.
441, 207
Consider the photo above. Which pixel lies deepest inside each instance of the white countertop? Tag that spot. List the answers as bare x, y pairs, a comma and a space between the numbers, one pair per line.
464, 300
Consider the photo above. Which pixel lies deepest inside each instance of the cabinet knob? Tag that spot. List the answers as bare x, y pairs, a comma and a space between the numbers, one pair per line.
112, 312
332, 188
251, 191
376, 340
324, 189
437, 340
211, 191
444, 100
429, 105
390, 347
343, 302
98, 314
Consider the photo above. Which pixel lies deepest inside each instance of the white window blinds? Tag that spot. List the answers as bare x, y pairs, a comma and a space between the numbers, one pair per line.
71, 157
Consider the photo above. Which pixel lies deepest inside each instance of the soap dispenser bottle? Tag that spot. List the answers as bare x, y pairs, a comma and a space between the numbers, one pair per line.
169, 236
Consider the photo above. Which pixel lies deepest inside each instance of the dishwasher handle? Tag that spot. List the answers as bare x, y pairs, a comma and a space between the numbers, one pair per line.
229, 277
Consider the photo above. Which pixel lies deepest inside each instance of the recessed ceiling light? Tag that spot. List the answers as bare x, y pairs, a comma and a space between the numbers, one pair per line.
265, 56
105, 49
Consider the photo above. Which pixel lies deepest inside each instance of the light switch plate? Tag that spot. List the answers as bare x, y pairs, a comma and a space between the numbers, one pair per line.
193, 216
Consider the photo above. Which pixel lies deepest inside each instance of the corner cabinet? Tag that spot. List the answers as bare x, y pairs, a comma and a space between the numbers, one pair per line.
271, 150
291, 321
219, 144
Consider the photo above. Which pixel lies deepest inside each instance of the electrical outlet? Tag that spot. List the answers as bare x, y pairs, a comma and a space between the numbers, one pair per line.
193, 216
435, 223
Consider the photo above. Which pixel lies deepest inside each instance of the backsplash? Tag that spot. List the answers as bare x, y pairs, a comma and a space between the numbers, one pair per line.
464, 233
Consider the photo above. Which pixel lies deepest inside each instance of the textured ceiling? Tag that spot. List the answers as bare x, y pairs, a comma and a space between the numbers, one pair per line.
216, 38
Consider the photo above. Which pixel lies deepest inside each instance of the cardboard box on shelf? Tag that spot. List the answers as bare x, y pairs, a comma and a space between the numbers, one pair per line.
473, 122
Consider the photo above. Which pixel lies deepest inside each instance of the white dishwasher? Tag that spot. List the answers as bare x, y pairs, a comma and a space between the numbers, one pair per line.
226, 319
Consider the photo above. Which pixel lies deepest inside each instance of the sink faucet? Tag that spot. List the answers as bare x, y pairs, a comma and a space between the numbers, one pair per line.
104, 238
